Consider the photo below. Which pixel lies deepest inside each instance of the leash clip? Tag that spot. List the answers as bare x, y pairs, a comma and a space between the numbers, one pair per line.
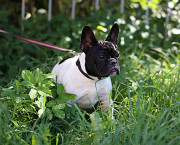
74, 53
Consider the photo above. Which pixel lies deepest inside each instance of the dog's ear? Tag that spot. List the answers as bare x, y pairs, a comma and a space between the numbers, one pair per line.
113, 35
88, 39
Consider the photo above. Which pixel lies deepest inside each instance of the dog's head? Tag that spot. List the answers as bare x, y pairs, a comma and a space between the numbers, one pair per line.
101, 56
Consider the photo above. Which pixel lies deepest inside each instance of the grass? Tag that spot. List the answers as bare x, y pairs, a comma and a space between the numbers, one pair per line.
146, 94
146, 110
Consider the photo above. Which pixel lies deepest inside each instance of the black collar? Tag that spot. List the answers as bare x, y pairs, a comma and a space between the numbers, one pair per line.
80, 69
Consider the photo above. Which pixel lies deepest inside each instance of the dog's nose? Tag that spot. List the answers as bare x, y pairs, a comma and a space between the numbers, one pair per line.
113, 62
117, 55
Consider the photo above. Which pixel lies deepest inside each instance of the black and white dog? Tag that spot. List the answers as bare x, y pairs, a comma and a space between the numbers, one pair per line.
88, 75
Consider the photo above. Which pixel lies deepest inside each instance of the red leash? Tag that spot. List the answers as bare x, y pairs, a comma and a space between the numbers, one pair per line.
41, 43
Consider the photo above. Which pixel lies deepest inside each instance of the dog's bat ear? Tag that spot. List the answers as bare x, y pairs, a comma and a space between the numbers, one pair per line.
113, 35
88, 39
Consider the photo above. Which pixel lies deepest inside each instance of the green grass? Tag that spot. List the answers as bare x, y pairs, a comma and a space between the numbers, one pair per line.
146, 111
146, 94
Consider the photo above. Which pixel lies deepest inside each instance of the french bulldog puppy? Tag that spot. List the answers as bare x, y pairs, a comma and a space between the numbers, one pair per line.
88, 75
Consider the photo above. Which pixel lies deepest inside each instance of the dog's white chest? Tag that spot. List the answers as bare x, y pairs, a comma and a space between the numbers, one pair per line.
88, 91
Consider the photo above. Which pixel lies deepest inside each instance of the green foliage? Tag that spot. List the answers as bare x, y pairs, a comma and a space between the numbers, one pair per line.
37, 89
97, 127
146, 93
16, 54
146, 104
31, 98
150, 4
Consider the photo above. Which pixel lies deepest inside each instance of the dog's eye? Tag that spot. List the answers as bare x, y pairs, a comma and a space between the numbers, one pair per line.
101, 56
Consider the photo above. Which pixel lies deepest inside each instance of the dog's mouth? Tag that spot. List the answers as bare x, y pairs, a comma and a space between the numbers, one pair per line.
114, 71
110, 71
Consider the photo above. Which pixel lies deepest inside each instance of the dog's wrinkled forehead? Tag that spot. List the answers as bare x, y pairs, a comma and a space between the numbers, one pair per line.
108, 46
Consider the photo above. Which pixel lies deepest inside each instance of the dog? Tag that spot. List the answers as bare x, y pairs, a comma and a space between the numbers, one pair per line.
88, 75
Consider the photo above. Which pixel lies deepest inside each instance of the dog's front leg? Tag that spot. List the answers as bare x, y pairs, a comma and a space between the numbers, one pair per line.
105, 106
